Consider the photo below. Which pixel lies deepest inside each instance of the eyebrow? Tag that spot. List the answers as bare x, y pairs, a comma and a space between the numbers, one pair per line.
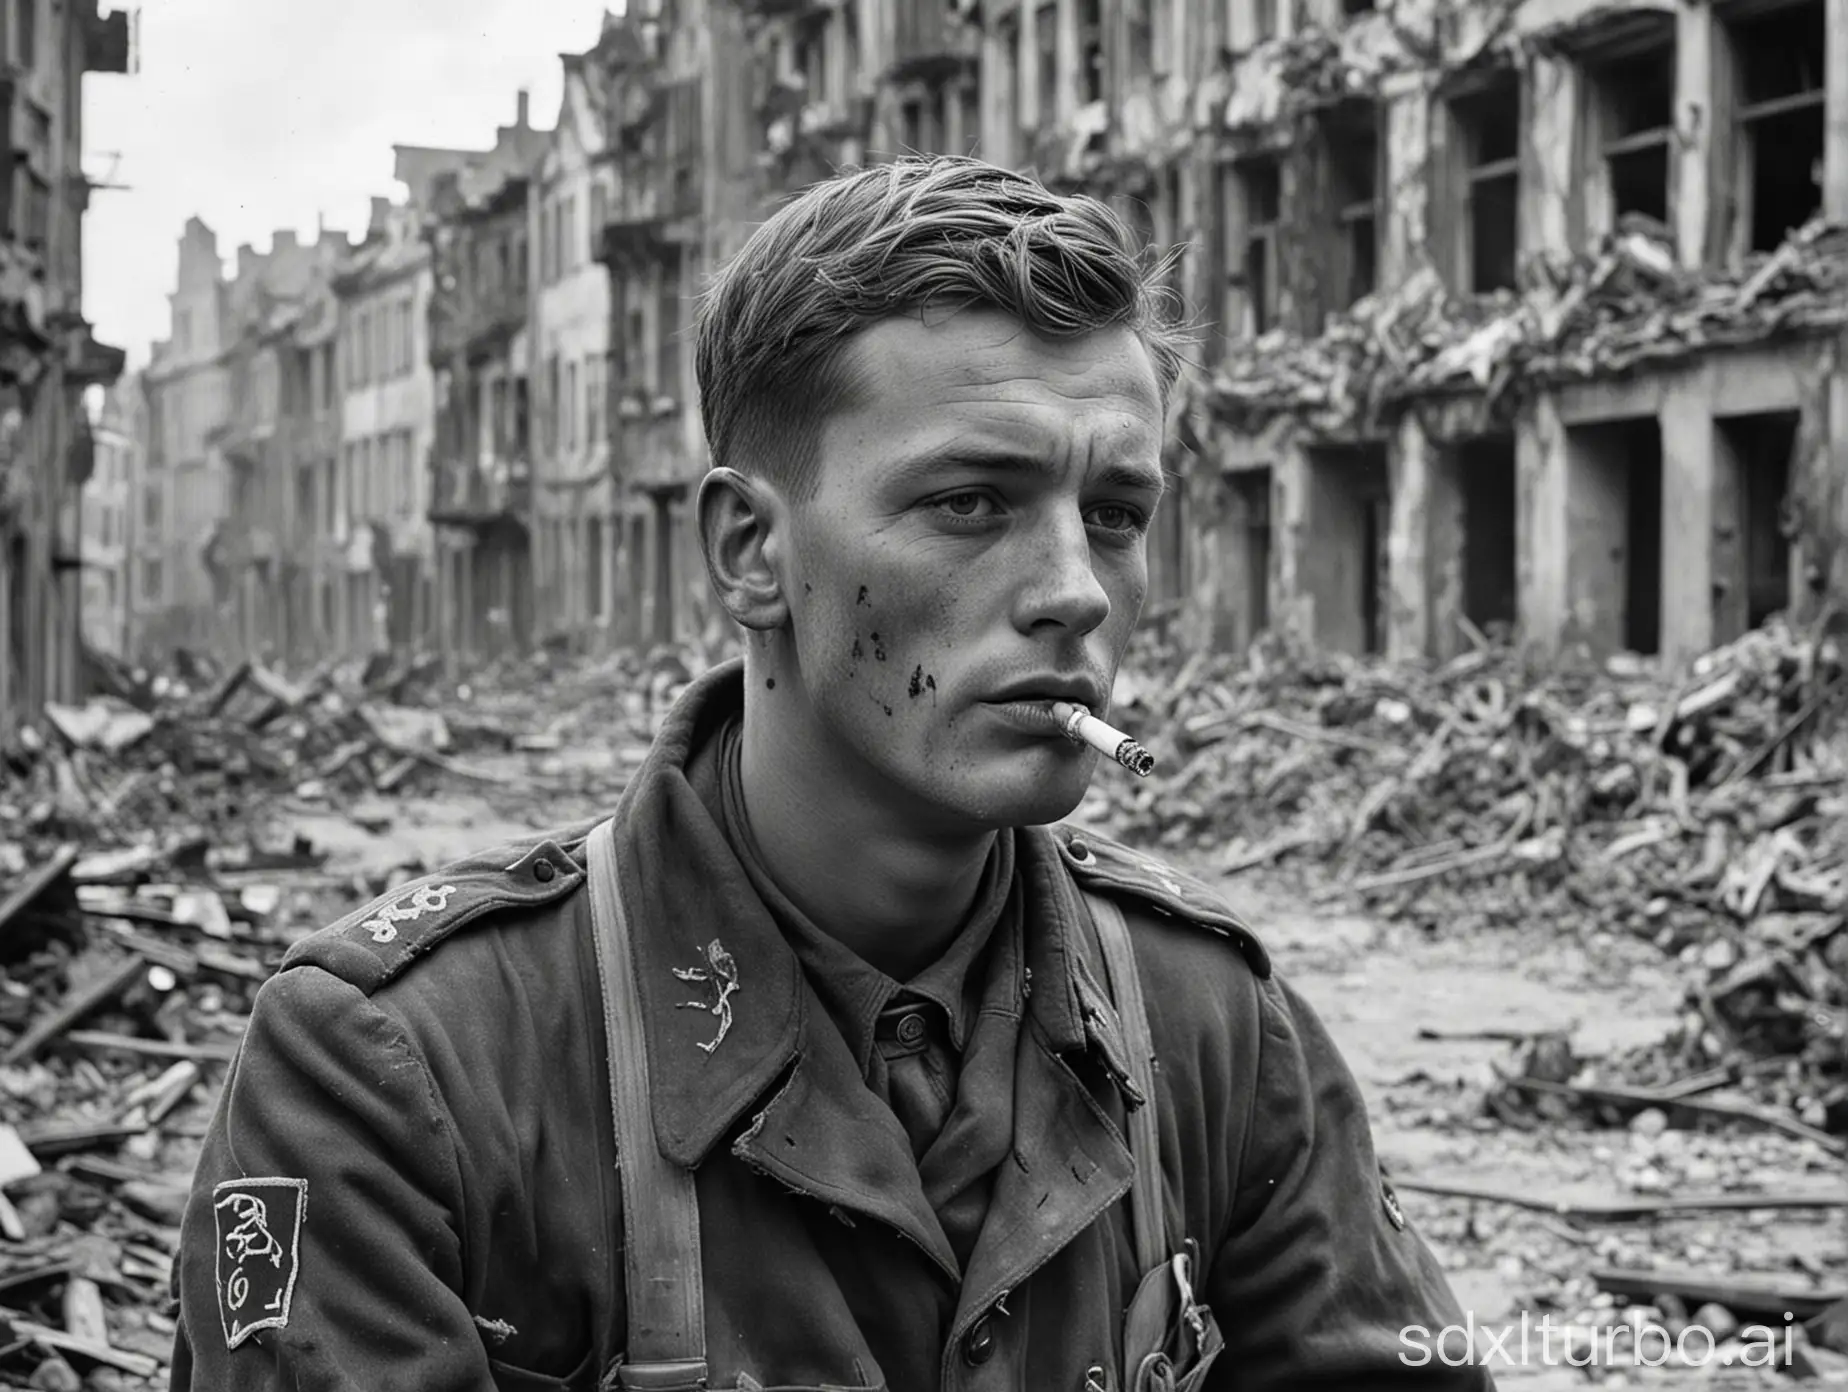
994, 460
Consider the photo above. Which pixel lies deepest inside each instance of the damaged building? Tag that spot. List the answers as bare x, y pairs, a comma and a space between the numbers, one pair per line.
48, 356
716, 110
1524, 318
481, 461
1513, 317
277, 312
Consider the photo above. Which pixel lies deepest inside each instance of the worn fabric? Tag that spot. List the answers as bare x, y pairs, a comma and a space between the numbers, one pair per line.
428, 1078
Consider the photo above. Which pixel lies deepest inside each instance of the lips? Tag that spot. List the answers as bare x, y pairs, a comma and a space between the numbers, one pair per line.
1078, 690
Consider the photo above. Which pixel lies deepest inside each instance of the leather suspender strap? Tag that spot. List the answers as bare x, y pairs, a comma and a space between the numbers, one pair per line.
667, 1315
1144, 1135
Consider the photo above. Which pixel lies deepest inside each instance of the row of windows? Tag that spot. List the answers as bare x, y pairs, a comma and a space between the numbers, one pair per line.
381, 342
379, 478
568, 232
575, 391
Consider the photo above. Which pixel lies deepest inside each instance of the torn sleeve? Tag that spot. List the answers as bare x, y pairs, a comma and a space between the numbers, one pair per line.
319, 1251
1320, 1281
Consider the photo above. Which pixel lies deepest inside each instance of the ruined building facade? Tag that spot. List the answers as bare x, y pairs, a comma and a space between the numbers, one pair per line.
108, 516
577, 525
381, 531
48, 356
481, 459
216, 563
1480, 345
1522, 320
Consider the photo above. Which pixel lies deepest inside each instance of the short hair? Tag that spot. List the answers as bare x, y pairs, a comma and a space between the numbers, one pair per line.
873, 244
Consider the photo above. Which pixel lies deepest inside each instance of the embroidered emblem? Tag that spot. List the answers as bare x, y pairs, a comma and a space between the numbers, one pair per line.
720, 977
259, 1252
1391, 1200
383, 925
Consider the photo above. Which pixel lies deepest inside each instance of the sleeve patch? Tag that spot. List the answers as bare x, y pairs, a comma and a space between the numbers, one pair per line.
259, 1252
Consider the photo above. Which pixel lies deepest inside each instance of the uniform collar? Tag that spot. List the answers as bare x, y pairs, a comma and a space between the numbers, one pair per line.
688, 897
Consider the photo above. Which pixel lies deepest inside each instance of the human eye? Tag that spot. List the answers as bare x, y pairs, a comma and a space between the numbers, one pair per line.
1120, 518
966, 505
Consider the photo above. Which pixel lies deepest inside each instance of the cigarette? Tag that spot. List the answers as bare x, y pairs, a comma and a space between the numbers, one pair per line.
1081, 727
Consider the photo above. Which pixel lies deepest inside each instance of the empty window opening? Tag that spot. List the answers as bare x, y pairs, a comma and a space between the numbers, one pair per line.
1046, 46
1489, 122
1352, 9
1090, 50
915, 120
810, 57
1269, 18
1614, 497
1173, 218
1486, 479
593, 568
1354, 157
1781, 58
1761, 449
1011, 84
1350, 510
1260, 183
1634, 113
1248, 538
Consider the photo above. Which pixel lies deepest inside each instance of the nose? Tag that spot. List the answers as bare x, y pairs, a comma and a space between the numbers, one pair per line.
1061, 585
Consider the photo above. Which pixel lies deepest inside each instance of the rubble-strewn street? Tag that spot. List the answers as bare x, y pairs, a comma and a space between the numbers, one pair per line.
1580, 934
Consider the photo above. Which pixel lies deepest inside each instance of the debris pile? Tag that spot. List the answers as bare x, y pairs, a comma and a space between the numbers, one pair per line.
208, 751
1709, 817
1597, 314
151, 878
126, 980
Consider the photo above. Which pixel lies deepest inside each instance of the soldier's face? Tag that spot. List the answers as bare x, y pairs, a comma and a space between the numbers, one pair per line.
978, 535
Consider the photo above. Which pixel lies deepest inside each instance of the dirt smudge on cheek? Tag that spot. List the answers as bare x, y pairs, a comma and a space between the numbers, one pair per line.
863, 599
858, 651
917, 682
878, 648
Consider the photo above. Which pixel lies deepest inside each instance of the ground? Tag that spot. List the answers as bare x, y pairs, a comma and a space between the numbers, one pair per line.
1376, 985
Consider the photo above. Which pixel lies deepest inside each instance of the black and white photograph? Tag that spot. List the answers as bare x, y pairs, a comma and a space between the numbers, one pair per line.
923, 695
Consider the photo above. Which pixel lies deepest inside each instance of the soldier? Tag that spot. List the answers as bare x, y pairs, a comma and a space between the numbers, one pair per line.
826, 1060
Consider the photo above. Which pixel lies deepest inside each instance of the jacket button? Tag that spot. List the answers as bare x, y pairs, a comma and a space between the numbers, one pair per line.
1080, 852
979, 1342
542, 870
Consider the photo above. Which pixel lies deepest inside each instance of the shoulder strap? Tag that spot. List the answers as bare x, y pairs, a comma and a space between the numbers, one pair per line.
1144, 1134
667, 1315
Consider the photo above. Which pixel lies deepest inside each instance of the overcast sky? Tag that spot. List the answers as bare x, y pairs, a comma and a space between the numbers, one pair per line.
259, 114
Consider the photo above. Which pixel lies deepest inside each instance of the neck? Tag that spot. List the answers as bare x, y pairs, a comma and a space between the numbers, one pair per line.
893, 895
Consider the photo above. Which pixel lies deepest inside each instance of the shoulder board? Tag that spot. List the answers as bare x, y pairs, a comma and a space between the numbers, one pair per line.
373, 944
1103, 866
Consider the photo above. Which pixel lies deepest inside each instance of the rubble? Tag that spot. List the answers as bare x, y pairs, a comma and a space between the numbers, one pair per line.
1705, 816
151, 880
1624, 304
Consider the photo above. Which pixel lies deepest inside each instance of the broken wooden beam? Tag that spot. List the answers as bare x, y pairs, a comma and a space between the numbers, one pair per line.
1623, 1207
136, 1364
151, 1048
28, 890
1743, 1295
1640, 1099
75, 1005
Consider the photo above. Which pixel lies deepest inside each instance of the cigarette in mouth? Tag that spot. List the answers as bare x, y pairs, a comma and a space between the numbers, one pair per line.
1081, 727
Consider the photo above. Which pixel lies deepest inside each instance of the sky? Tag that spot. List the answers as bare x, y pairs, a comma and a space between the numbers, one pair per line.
260, 114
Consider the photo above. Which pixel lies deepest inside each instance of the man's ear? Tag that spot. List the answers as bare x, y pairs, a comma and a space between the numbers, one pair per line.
742, 527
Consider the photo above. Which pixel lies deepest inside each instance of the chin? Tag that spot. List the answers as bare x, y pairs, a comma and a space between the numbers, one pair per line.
1016, 801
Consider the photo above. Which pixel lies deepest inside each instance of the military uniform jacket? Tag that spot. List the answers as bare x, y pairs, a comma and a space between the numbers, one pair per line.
410, 1181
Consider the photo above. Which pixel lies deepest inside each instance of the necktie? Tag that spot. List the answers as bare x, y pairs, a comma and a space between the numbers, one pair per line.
910, 1037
